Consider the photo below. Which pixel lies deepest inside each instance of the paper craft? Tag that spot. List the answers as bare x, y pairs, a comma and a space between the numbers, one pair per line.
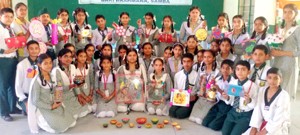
217, 34
85, 33
43, 47
54, 34
167, 38
16, 42
37, 29
275, 41
235, 90
201, 34
248, 45
131, 88
180, 97
58, 93
31, 72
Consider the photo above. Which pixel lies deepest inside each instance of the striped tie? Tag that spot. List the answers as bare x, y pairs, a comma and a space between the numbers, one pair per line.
187, 80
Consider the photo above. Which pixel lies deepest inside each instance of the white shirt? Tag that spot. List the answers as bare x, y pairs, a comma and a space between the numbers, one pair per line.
97, 37
261, 76
180, 78
4, 33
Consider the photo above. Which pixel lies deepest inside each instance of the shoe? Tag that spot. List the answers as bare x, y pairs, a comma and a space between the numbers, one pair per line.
7, 118
24, 113
16, 111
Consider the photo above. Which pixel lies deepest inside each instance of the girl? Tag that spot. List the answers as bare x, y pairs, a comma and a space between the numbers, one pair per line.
174, 62
272, 112
215, 46
289, 51
146, 32
226, 51
160, 85
223, 26
102, 34
81, 28
21, 26
131, 70
89, 50
199, 60
105, 86
85, 72
51, 116
238, 35
120, 60
106, 50
64, 74
260, 32
64, 29
194, 22
207, 73
166, 35
128, 37
167, 54
147, 57
192, 46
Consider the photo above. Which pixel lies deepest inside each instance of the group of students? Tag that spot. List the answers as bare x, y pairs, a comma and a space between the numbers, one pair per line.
161, 64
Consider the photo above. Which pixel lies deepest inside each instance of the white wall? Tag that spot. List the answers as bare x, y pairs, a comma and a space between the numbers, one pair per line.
14, 2
267, 9
231, 8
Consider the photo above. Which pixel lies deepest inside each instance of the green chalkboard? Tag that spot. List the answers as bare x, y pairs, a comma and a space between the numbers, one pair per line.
210, 8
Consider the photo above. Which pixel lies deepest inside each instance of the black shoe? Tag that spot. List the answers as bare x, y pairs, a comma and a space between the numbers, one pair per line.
7, 118
16, 111
24, 113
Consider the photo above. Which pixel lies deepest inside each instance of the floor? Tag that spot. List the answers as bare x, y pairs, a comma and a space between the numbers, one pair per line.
93, 126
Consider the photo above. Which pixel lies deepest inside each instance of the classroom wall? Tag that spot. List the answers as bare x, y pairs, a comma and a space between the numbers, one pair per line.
210, 8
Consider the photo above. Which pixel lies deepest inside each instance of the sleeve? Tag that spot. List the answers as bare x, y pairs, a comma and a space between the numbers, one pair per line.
169, 86
16, 28
19, 83
253, 95
196, 88
280, 115
257, 118
154, 41
36, 97
182, 33
296, 35
91, 77
95, 39
175, 35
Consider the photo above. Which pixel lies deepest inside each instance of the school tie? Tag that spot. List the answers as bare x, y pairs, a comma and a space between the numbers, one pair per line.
236, 102
48, 32
187, 83
253, 77
11, 34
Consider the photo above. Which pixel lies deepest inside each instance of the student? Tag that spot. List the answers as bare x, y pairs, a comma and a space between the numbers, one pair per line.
7, 70
226, 51
192, 46
120, 60
90, 49
148, 30
215, 46
50, 116
223, 26
238, 35
64, 30
258, 74
80, 25
147, 57
197, 65
21, 27
26, 71
106, 89
128, 37
260, 33
64, 74
194, 22
174, 62
84, 71
271, 116
106, 50
207, 73
238, 118
132, 68
166, 36
217, 114
167, 54
185, 79
160, 85
289, 51
71, 47
102, 34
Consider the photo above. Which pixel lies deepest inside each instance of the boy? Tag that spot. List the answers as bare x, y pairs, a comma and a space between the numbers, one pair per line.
260, 55
238, 118
184, 80
26, 71
100, 33
8, 63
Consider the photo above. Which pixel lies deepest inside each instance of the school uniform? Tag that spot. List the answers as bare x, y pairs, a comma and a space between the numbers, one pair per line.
220, 59
238, 118
202, 105
40, 107
217, 114
147, 63
259, 75
125, 75
81, 44
20, 27
173, 66
223, 31
127, 39
161, 90
26, 71
7, 73
237, 40
117, 62
183, 80
186, 31
272, 115
99, 36
289, 66
197, 66
108, 86
64, 32
161, 46
70, 99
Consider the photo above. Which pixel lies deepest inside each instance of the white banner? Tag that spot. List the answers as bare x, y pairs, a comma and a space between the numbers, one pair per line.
138, 2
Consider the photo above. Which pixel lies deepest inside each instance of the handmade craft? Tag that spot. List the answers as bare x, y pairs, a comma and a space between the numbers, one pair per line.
248, 45
180, 97
15, 42
58, 93
235, 90
43, 47
54, 34
37, 29
201, 34
275, 41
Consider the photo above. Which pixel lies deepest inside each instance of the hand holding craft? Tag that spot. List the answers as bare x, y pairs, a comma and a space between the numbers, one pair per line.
56, 105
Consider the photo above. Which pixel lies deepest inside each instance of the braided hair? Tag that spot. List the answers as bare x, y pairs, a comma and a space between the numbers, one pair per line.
40, 60
152, 16
214, 64
191, 9
76, 60
225, 15
101, 69
244, 30
77, 10
172, 24
265, 22
65, 10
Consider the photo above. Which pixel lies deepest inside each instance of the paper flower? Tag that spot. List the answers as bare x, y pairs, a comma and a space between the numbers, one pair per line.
85, 33
120, 31
275, 41
56, 21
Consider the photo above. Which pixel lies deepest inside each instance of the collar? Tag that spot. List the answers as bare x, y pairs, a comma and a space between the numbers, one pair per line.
241, 83
187, 72
4, 26
31, 61
102, 30
18, 21
228, 79
261, 66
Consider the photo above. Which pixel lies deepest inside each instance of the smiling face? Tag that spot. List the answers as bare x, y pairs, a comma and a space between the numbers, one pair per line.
21, 11
46, 65
194, 14
66, 59
81, 58
208, 58
7, 18
132, 57
259, 26
64, 16
45, 19
33, 50
237, 23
